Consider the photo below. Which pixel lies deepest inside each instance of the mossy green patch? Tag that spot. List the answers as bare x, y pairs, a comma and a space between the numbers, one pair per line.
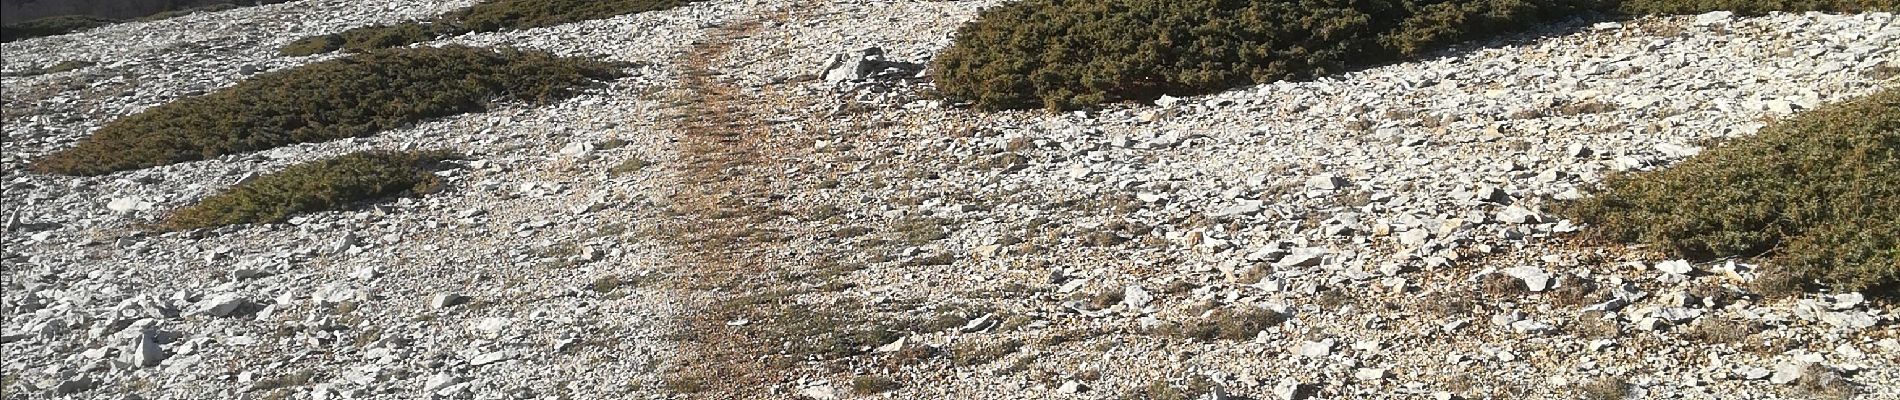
1819, 193
330, 184
348, 97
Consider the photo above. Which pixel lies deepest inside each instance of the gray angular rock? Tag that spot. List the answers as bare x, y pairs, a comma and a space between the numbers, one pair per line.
1713, 18
1519, 215
72, 385
1534, 278
1415, 237
1072, 387
491, 357
1305, 258
1290, 389
1317, 349
1326, 182
222, 305
1492, 194
446, 300
143, 351
979, 324
1786, 373
867, 64
1849, 320
440, 381
1677, 267
1135, 297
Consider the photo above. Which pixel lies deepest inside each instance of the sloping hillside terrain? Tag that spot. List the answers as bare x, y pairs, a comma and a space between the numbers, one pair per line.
772, 199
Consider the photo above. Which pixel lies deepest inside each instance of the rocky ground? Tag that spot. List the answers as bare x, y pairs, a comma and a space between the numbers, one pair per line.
1390, 224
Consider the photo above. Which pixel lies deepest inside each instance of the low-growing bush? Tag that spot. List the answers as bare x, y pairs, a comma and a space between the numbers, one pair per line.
316, 44
348, 97
50, 26
1229, 324
488, 16
1819, 192
329, 184
1066, 54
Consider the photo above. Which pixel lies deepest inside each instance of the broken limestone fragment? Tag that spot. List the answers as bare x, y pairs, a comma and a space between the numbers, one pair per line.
144, 350
867, 64
1534, 278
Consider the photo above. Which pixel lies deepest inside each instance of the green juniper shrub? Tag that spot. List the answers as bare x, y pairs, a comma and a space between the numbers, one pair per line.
347, 97
50, 26
1067, 54
1819, 193
316, 44
329, 184
1064, 54
488, 16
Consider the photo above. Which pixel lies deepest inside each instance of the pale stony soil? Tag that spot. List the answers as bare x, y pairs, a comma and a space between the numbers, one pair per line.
1371, 210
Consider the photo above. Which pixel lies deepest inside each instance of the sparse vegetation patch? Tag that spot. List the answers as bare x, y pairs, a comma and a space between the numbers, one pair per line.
1820, 193
1067, 54
349, 97
1064, 54
52, 26
329, 184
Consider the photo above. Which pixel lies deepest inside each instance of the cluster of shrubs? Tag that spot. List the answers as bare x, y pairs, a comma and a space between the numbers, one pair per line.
1819, 193
346, 97
51, 26
1067, 54
329, 184
64, 24
488, 16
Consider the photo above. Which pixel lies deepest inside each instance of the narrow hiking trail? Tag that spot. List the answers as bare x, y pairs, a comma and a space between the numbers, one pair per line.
731, 230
